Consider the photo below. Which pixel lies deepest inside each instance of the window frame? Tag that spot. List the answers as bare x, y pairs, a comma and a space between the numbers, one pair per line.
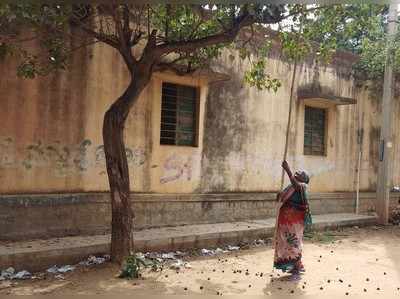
325, 132
196, 115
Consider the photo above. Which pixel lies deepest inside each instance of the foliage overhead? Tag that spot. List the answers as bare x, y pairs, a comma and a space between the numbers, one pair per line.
361, 30
188, 37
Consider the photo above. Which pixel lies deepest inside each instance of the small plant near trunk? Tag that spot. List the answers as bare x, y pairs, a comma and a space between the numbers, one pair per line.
133, 265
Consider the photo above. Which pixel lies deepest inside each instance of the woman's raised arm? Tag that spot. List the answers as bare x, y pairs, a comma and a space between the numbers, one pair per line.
293, 180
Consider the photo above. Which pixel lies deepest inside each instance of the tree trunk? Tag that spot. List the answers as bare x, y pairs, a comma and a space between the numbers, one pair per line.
118, 171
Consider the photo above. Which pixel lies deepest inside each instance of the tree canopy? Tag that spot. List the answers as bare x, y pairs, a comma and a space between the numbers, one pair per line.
190, 36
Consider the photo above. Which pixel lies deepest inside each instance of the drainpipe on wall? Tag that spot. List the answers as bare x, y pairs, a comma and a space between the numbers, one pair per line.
360, 134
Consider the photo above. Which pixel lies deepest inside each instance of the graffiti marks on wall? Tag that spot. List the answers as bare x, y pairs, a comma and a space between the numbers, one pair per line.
63, 160
7, 153
135, 156
177, 167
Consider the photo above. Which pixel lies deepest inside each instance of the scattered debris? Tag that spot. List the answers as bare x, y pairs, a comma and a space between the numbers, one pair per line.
220, 251
259, 242
10, 274
66, 268
168, 256
212, 252
233, 248
7, 274
93, 260
55, 269
22, 275
205, 251
179, 264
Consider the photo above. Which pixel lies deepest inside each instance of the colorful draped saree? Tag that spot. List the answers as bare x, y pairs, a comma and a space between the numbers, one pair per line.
293, 218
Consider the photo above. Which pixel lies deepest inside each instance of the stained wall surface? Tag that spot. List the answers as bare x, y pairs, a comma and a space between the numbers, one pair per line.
51, 142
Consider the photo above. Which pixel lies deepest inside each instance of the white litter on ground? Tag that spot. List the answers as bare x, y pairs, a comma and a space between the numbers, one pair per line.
53, 269
220, 251
22, 275
233, 248
168, 256
205, 251
179, 264
92, 260
66, 268
9, 274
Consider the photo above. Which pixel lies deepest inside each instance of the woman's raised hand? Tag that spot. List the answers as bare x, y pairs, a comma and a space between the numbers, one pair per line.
285, 165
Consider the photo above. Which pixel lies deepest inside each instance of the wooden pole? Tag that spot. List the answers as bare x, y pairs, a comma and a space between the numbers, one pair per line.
386, 139
289, 120
278, 205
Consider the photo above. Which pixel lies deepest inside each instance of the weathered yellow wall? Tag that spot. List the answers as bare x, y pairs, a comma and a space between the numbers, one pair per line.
245, 139
50, 133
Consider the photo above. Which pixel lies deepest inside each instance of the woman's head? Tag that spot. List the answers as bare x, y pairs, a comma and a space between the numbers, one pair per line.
302, 176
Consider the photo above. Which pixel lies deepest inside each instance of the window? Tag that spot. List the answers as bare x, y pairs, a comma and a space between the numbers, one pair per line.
178, 115
314, 131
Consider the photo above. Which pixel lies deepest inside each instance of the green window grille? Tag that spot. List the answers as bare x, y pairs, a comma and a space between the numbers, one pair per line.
314, 131
178, 115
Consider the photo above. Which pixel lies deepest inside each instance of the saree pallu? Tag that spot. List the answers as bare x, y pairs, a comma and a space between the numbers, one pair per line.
293, 217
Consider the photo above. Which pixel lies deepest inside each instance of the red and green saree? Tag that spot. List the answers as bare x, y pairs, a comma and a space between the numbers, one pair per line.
293, 217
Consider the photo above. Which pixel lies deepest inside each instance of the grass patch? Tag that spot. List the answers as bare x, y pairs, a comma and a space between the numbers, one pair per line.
323, 237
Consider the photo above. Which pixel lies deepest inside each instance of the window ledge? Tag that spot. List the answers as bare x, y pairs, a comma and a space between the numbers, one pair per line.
324, 99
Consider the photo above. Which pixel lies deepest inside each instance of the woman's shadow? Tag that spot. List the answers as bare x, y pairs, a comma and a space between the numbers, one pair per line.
286, 284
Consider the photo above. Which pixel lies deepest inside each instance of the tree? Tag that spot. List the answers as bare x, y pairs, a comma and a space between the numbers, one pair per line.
181, 38
363, 31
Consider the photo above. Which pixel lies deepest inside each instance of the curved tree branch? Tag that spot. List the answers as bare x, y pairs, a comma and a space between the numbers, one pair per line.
223, 37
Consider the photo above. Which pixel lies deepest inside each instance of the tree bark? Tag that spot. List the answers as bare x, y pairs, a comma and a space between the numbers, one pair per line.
118, 171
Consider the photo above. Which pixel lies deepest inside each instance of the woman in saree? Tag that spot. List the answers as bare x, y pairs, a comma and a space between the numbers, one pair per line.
293, 217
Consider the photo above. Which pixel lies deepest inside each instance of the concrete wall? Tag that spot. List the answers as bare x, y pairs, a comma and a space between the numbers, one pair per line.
51, 141
58, 215
50, 138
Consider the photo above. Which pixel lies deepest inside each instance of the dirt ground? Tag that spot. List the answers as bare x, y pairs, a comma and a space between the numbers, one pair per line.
355, 261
